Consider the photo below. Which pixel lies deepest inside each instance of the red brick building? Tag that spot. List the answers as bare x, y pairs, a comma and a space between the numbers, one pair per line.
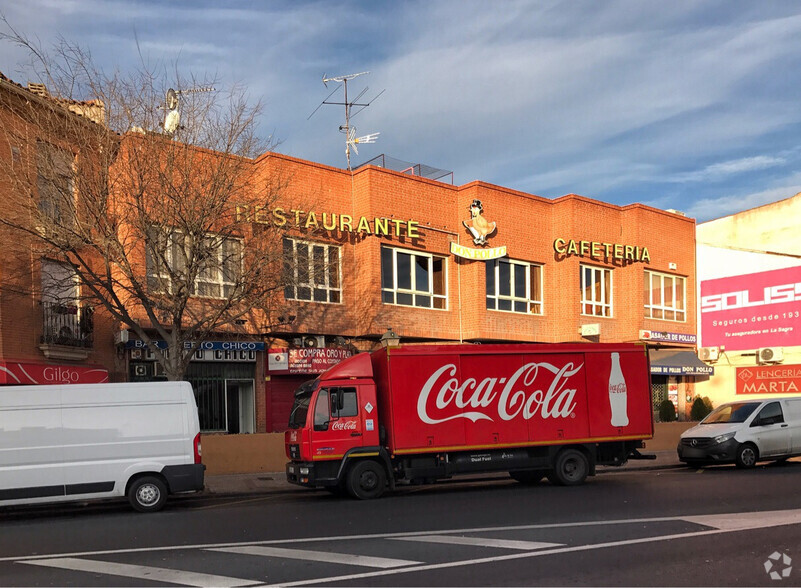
373, 250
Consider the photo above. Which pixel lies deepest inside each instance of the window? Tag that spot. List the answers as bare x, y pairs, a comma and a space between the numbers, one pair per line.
313, 271
334, 403
55, 181
412, 278
596, 291
514, 286
65, 322
664, 297
770, 415
217, 261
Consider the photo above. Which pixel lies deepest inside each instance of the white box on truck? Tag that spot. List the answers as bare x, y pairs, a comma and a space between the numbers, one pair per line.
79, 442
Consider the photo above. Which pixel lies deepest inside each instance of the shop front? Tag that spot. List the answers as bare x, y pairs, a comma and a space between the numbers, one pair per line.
14, 373
223, 376
286, 370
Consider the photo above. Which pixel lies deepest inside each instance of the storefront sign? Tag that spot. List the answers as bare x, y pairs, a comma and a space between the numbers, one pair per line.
752, 310
328, 221
483, 254
306, 360
600, 250
682, 370
663, 337
204, 345
769, 379
12, 373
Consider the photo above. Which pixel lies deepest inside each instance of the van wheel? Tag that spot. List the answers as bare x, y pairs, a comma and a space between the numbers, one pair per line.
527, 476
747, 455
147, 494
571, 468
366, 480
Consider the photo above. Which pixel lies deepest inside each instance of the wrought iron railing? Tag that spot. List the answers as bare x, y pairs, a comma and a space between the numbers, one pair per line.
69, 324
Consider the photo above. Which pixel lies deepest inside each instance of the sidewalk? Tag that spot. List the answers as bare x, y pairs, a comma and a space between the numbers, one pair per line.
275, 482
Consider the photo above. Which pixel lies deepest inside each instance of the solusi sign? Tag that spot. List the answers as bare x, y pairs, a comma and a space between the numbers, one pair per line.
752, 310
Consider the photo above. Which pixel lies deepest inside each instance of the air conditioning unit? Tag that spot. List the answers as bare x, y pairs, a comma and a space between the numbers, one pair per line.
314, 341
770, 355
709, 353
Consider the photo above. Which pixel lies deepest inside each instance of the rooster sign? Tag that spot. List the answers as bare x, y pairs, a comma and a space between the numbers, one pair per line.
478, 226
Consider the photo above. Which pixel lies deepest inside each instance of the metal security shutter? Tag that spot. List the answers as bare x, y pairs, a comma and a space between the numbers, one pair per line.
280, 397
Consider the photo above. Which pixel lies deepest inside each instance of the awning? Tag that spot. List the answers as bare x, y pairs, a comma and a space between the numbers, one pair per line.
678, 362
16, 373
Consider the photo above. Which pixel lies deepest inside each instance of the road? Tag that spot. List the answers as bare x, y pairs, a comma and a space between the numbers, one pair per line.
678, 527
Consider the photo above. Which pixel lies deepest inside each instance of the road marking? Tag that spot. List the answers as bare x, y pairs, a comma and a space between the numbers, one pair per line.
480, 542
142, 572
728, 523
325, 556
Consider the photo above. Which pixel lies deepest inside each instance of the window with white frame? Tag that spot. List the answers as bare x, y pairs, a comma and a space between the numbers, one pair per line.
596, 291
55, 181
413, 278
514, 286
665, 296
313, 271
217, 260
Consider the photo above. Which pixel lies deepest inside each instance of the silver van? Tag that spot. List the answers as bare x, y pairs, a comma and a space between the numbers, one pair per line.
745, 432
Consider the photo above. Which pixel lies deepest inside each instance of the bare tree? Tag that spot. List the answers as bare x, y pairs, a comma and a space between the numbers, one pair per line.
133, 184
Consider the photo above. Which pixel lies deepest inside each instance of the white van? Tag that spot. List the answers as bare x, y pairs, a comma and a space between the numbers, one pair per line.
77, 442
745, 432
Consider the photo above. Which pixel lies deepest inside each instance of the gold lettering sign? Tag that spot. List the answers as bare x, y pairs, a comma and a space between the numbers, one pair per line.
482, 254
329, 221
601, 250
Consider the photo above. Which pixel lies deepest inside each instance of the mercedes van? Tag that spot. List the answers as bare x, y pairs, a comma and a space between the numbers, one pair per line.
745, 432
78, 442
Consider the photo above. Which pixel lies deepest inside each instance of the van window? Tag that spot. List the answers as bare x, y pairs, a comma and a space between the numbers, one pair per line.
769, 415
736, 412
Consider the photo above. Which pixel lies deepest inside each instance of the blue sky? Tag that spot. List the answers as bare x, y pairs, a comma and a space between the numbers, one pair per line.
694, 106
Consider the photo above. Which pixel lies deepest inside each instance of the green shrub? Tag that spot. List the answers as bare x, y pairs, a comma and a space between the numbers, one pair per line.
667, 411
701, 407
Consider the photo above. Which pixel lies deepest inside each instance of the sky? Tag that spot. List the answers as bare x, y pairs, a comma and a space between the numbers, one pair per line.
692, 106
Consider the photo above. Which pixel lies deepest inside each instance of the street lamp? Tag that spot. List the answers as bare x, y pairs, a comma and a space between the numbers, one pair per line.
390, 339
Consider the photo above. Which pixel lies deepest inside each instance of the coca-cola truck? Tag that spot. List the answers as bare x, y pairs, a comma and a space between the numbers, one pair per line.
420, 413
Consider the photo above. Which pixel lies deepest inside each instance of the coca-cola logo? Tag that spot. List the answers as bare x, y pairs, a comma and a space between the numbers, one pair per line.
521, 394
619, 388
343, 426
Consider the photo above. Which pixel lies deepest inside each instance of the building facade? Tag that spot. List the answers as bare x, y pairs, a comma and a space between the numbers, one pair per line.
749, 275
377, 250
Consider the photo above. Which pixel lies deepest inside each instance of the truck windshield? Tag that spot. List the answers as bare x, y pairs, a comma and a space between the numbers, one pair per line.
736, 412
297, 417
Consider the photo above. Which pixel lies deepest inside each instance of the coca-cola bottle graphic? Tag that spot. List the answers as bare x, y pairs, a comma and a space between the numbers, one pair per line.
618, 394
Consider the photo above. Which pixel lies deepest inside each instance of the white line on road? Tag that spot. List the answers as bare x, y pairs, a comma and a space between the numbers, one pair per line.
326, 556
142, 572
480, 542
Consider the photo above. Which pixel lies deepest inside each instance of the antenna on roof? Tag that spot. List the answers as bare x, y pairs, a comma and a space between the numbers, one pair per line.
351, 140
172, 119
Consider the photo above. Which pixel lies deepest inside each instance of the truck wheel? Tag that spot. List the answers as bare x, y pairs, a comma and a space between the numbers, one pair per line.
571, 468
147, 494
527, 476
747, 455
366, 480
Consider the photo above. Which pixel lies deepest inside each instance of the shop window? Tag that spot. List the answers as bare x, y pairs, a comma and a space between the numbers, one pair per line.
55, 182
596, 291
664, 296
217, 261
514, 286
313, 271
413, 278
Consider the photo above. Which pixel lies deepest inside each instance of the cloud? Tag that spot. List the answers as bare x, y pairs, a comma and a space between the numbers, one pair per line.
721, 171
711, 208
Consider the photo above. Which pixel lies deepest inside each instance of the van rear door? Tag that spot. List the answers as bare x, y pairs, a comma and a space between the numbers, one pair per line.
31, 456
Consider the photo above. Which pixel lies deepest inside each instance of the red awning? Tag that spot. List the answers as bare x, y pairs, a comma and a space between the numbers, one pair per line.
15, 373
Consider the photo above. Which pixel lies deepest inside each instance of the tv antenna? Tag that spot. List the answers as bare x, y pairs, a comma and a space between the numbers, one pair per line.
351, 140
172, 119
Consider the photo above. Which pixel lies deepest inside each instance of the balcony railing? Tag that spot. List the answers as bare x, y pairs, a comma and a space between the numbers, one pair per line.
69, 324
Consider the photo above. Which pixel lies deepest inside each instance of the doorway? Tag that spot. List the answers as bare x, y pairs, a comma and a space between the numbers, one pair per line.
239, 401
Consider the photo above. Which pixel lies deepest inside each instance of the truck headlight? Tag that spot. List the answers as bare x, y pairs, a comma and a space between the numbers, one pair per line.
304, 471
723, 438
